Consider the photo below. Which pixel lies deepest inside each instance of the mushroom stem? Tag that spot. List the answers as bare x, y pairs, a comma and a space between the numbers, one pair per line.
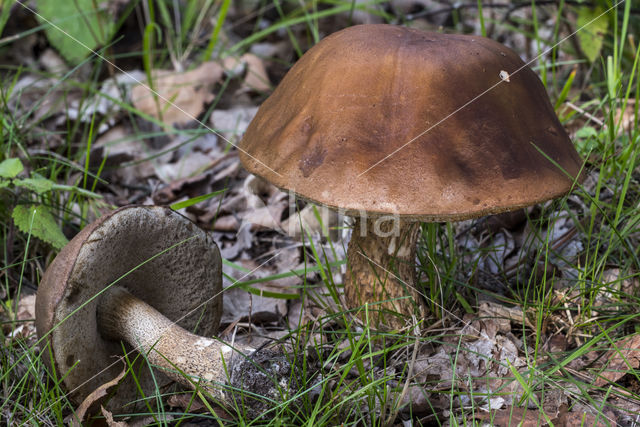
231, 375
381, 258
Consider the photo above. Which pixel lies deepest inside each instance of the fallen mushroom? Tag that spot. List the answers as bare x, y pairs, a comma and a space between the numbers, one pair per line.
147, 276
379, 120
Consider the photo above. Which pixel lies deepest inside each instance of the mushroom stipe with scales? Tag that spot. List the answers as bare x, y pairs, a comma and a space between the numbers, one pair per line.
147, 276
380, 120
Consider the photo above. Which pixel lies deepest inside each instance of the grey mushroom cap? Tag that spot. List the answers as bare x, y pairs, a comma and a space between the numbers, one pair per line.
156, 254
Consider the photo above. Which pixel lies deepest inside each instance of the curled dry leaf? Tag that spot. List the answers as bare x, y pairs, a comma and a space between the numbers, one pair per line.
180, 96
254, 70
108, 417
187, 166
257, 191
226, 223
265, 204
94, 396
265, 217
307, 220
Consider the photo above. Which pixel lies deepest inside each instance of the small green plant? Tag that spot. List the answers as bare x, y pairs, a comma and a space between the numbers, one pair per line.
86, 25
27, 205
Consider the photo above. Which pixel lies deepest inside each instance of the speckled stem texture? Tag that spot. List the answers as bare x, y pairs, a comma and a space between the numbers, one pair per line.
382, 272
242, 378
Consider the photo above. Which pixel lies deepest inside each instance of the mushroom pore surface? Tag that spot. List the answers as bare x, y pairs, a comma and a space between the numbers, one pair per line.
158, 256
148, 277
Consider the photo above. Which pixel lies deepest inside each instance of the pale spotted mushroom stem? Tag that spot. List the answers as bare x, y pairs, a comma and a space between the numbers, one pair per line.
382, 253
146, 276
229, 374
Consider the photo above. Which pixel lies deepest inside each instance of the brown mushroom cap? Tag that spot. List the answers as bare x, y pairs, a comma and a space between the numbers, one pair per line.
176, 282
364, 92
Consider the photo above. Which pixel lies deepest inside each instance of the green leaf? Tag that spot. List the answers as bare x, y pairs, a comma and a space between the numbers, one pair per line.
586, 132
38, 185
10, 168
38, 221
194, 200
591, 34
85, 26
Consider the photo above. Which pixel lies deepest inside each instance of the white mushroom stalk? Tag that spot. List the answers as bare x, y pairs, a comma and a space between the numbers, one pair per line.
230, 375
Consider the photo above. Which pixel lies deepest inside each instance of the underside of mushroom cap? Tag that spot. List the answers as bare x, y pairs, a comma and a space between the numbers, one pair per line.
156, 254
387, 119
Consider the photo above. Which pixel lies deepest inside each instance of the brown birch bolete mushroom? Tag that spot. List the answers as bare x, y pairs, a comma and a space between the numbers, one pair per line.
148, 277
382, 120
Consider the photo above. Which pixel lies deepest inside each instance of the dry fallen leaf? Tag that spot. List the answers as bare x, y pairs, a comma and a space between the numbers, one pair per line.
181, 96
94, 396
256, 78
27, 308
307, 220
621, 361
254, 70
108, 417
25, 326
617, 281
187, 166
626, 116
580, 418
265, 217
186, 402
513, 416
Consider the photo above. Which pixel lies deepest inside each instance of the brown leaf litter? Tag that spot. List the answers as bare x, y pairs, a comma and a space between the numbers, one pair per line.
177, 97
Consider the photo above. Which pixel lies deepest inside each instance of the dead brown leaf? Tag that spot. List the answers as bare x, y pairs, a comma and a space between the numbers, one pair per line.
581, 418
256, 78
514, 416
186, 402
617, 281
180, 96
621, 360
498, 311
25, 326
306, 221
265, 217
626, 116
94, 396
108, 417
27, 308
226, 223
254, 70
188, 165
